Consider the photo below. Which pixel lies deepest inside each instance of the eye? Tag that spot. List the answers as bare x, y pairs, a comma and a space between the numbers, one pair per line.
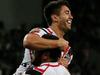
67, 12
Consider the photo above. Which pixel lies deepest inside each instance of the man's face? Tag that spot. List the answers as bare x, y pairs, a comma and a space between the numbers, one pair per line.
65, 18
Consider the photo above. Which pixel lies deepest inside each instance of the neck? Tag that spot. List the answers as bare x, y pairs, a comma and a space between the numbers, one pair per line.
57, 30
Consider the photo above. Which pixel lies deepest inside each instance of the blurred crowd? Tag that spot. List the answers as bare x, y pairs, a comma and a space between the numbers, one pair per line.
11, 49
84, 39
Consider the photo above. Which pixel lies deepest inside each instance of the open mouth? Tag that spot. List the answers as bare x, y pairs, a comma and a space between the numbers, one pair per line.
69, 21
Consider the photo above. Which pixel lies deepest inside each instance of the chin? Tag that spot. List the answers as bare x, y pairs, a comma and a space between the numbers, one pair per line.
68, 27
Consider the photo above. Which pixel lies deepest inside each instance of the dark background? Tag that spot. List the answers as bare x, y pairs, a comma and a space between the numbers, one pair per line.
17, 17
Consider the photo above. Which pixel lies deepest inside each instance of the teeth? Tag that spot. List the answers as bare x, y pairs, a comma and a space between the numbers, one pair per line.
69, 21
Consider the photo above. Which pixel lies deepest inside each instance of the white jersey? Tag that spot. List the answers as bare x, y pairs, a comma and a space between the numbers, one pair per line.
28, 54
45, 31
50, 68
55, 69
25, 63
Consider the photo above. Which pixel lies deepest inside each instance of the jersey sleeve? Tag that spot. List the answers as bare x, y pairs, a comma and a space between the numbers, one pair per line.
38, 31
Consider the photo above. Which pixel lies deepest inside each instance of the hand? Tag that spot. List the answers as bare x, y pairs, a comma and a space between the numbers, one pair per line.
67, 54
63, 61
63, 44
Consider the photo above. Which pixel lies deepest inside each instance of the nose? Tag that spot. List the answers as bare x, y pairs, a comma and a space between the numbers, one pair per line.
71, 16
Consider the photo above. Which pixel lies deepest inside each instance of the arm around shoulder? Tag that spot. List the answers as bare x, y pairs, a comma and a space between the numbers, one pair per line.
35, 42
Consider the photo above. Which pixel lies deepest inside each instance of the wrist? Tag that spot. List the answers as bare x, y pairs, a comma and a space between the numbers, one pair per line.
54, 44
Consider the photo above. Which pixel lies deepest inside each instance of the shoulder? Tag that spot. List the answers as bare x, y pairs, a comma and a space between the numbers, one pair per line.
32, 71
38, 31
36, 70
34, 30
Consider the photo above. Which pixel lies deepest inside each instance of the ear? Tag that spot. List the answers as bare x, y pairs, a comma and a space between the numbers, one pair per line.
54, 18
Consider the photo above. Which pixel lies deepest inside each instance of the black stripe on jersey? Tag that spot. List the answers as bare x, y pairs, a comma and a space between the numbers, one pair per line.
31, 71
44, 30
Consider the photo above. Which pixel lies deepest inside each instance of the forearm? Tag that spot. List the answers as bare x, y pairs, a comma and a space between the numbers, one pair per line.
38, 43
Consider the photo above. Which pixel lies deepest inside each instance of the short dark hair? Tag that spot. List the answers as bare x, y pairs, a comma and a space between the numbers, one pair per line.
53, 53
53, 7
